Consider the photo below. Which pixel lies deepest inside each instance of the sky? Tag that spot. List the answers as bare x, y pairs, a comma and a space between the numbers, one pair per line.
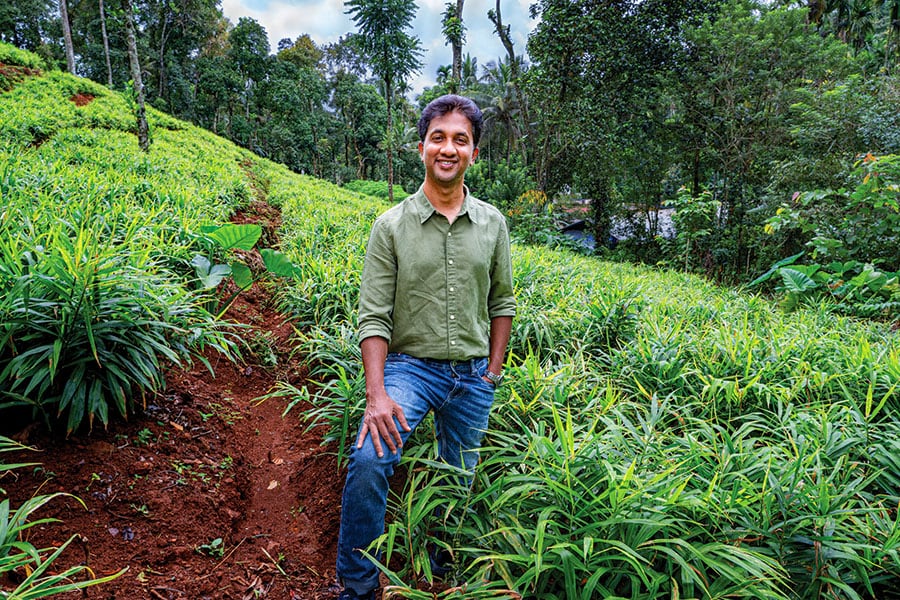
325, 22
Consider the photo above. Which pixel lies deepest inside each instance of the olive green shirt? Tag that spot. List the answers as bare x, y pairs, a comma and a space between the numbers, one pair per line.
431, 288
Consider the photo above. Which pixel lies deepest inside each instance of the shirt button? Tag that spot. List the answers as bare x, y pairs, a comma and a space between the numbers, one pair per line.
449, 233
452, 317
452, 343
450, 262
452, 289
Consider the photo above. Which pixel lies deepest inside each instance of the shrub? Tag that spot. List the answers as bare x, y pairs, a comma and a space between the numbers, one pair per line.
852, 236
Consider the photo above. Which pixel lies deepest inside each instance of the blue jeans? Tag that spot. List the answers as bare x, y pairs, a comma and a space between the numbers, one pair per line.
461, 401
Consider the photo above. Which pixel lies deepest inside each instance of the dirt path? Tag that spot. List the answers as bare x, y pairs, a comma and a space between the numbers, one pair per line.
204, 462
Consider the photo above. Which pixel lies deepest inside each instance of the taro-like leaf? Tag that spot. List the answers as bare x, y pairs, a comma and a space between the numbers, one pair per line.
243, 277
796, 281
242, 237
210, 275
277, 263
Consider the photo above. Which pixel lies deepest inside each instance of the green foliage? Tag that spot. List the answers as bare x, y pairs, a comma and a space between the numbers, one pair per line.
852, 235
376, 189
230, 237
393, 53
694, 220
10, 55
85, 329
96, 250
502, 184
658, 436
452, 26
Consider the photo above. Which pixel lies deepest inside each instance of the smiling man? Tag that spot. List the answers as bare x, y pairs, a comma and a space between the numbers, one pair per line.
435, 313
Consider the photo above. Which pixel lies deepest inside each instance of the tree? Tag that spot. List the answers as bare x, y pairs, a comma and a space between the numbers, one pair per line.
67, 36
248, 53
596, 70
394, 55
744, 106
514, 62
362, 119
303, 52
173, 33
143, 129
28, 23
454, 31
98, 31
502, 106
291, 119
109, 77
218, 92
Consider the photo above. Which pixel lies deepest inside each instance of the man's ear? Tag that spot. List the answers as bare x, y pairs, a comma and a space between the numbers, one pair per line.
474, 156
421, 147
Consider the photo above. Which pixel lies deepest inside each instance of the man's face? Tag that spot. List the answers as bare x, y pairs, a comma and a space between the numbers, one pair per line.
448, 149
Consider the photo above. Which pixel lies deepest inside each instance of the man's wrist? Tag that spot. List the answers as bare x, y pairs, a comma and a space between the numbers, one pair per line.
494, 378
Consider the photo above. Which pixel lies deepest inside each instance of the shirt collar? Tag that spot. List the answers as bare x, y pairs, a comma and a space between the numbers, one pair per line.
425, 209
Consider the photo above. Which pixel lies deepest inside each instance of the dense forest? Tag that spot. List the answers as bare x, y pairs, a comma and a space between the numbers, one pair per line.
750, 141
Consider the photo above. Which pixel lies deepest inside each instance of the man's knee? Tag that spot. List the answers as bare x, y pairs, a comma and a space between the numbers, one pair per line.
366, 462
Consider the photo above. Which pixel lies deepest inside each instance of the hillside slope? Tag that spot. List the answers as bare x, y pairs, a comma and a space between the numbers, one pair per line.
204, 492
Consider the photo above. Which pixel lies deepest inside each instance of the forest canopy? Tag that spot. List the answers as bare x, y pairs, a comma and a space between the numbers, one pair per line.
719, 136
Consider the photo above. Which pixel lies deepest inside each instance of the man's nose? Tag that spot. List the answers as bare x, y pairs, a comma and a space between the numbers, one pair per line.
447, 147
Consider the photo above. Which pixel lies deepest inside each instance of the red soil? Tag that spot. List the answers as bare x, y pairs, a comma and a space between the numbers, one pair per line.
204, 461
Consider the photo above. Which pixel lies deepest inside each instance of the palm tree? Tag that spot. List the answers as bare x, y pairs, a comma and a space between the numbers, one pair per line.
393, 53
841, 17
468, 75
891, 9
502, 112
862, 23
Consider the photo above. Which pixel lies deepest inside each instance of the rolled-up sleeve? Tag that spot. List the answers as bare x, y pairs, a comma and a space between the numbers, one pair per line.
378, 285
502, 300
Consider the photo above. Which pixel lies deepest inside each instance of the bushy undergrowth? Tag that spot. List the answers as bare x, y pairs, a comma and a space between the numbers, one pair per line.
11, 55
658, 436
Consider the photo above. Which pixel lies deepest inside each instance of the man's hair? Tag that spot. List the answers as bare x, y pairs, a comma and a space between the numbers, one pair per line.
447, 104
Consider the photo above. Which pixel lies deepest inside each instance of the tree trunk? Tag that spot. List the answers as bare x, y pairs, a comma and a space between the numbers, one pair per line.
389, 139
163, 91
503, 33
457, 46
67, 36
143, 130
109, 79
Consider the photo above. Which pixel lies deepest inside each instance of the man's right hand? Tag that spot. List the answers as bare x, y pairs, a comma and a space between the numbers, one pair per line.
378, 423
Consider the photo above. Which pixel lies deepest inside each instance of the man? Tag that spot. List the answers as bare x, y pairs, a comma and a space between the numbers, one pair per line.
435, 313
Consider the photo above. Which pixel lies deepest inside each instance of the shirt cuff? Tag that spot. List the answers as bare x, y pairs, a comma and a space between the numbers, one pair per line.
367, 331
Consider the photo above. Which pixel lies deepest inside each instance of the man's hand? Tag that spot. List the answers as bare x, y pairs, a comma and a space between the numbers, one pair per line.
379, 423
